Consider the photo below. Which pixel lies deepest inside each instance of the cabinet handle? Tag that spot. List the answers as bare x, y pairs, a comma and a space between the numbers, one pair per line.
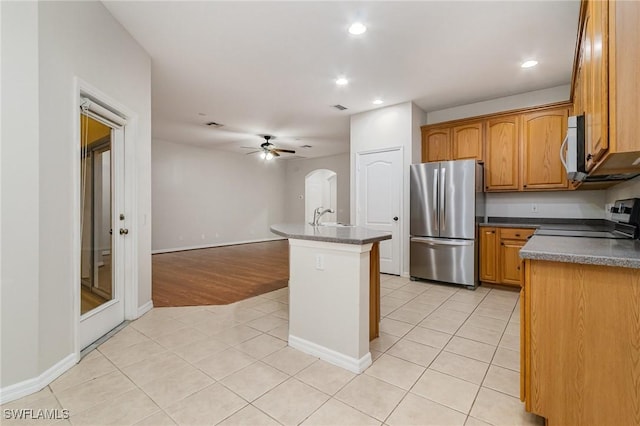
589, 156
524, 186
492, 232
517, 235
518, 268
501, 244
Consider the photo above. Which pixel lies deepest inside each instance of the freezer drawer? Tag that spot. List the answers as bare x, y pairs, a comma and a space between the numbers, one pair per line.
451, 261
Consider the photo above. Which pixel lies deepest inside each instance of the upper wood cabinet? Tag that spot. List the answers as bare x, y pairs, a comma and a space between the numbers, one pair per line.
436, 144
606, 83
502, 153
542, 136
595, 54
520, 150
467, 141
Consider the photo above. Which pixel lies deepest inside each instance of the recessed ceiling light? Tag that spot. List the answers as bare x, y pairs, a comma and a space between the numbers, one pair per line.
342, 81
529, 64
357, 28
377, 101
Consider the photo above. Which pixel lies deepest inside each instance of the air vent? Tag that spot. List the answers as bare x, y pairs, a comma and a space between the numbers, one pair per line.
340, 107
214, 124
305, 146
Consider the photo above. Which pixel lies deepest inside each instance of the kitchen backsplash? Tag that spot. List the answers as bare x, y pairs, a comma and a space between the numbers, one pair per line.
560, 204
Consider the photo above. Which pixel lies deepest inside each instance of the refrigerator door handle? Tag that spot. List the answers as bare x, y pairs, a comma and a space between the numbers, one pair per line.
435, 195
443, 201
440, 242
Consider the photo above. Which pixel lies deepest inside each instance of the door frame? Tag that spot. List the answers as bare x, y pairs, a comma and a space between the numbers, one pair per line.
130, 245
401, 178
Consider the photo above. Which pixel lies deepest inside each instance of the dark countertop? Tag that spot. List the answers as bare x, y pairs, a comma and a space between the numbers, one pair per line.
330, 234
549, 223
590, 251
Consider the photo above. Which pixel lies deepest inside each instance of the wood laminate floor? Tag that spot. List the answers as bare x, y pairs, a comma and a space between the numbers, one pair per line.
219, 275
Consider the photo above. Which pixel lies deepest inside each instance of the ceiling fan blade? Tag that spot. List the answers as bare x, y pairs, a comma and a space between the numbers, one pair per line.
248, 147
275, 153
288, 151
253, 152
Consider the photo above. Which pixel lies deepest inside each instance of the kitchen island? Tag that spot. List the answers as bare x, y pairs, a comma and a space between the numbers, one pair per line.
334, 291
580, 330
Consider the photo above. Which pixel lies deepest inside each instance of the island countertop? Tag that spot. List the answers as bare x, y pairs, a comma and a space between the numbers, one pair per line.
331, 234
590, 251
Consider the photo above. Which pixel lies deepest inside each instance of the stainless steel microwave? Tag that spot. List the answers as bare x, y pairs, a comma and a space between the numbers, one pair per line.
573, 155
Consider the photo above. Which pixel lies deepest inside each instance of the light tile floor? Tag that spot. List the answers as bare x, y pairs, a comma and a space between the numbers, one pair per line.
445, 356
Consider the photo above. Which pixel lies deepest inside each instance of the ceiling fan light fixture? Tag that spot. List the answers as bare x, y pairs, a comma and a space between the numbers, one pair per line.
268, 156
342, 81
530, 63
357, 28
263, 155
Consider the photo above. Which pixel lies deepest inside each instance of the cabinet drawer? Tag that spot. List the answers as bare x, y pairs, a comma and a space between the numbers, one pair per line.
516, 233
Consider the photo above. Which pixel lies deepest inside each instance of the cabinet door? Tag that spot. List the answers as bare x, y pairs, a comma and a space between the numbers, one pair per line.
436, 145
467, 141
488, 255
597, 99
510, 262
542, 136
578, 103
502, 153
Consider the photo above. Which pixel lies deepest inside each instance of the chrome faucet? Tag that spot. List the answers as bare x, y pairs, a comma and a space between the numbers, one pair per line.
318, 213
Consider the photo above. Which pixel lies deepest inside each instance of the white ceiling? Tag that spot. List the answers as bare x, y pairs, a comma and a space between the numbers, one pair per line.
269, 67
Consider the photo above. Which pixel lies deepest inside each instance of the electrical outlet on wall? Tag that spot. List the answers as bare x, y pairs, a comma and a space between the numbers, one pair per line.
319, 262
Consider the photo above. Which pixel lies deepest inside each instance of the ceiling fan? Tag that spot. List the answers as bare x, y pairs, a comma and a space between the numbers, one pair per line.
268, 150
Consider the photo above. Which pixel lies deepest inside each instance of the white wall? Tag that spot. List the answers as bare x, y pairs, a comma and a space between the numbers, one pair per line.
19, 187
628, 189
297, 169
46, 45
206, 197
522, 100
392, 126
558, 204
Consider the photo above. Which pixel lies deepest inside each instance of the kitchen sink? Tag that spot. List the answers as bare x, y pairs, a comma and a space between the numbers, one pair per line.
338, 224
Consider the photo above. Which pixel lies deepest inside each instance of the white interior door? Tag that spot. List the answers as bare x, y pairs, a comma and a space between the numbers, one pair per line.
103, 229
378, 201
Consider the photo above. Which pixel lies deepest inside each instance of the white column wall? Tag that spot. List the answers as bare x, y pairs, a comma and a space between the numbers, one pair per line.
19, 188
390, 127
45, 46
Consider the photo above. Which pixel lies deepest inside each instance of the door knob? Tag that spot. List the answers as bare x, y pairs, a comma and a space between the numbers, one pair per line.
124, 231
395, 218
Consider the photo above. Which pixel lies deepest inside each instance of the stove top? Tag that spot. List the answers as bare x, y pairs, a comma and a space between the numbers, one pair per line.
613, 235
626, 224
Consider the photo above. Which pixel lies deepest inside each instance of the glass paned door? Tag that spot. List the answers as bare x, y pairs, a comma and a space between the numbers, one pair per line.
101, 180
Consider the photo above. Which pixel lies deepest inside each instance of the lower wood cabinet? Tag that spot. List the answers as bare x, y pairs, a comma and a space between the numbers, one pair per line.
500, 254
510, 261
580, 343
488, 254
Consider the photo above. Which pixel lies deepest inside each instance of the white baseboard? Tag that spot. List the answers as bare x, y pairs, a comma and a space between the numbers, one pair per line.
234, 243
145, 308
29, 386
354, 365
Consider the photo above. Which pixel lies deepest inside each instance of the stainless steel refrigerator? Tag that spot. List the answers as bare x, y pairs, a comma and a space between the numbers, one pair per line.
447, 203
